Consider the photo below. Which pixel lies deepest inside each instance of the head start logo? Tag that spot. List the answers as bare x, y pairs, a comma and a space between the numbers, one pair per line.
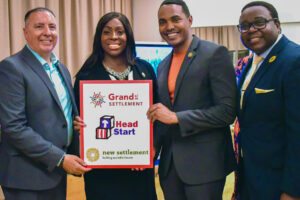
108, 123
97, 99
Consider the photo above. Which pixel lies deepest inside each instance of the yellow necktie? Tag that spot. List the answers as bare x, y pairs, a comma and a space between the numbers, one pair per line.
249, 76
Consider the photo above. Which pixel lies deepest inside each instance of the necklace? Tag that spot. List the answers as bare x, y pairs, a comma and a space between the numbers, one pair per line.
119, 75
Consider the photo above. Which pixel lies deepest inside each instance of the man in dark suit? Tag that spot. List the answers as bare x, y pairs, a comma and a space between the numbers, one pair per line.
197, 92
36, 113
269, 108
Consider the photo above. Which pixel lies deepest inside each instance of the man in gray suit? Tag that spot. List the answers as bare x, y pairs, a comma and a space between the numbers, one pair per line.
36, 113
197, 92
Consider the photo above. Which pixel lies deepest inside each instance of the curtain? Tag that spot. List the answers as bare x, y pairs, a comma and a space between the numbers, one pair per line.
76, 20
227, 36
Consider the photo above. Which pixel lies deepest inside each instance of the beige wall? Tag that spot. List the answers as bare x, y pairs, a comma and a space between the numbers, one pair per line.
292, 31
227, 13
145, 24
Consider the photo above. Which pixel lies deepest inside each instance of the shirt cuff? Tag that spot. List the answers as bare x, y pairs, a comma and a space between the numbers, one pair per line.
60, 161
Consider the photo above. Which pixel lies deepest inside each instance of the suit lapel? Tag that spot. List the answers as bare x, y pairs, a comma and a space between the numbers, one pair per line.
241, 81
36, 66
190, 55
69, 87
265, 66
137, 75
163, 80
100, 73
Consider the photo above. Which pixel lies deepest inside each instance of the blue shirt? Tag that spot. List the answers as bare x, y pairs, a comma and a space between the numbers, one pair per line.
60, 88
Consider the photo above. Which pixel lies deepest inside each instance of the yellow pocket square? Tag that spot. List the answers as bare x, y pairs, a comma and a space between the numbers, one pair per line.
260, 91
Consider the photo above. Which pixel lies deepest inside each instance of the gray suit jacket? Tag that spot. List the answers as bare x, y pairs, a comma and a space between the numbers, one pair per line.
34, 128
205, 104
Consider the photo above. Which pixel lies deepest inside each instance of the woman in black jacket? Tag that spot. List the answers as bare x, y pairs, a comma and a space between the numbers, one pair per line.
114, 58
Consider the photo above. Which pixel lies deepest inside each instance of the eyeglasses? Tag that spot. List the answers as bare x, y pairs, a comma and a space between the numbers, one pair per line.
259, 24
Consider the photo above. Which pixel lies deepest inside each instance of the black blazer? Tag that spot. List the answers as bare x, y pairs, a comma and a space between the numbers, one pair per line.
205, 104
142, 70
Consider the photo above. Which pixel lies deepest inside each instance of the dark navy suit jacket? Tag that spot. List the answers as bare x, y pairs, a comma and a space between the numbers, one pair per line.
270, 124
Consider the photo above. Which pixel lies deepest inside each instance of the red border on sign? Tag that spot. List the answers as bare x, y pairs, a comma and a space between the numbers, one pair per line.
81, 83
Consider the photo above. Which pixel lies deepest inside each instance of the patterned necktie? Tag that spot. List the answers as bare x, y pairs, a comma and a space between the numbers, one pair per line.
252, 71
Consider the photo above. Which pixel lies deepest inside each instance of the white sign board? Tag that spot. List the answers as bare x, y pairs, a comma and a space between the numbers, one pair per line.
117, 133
